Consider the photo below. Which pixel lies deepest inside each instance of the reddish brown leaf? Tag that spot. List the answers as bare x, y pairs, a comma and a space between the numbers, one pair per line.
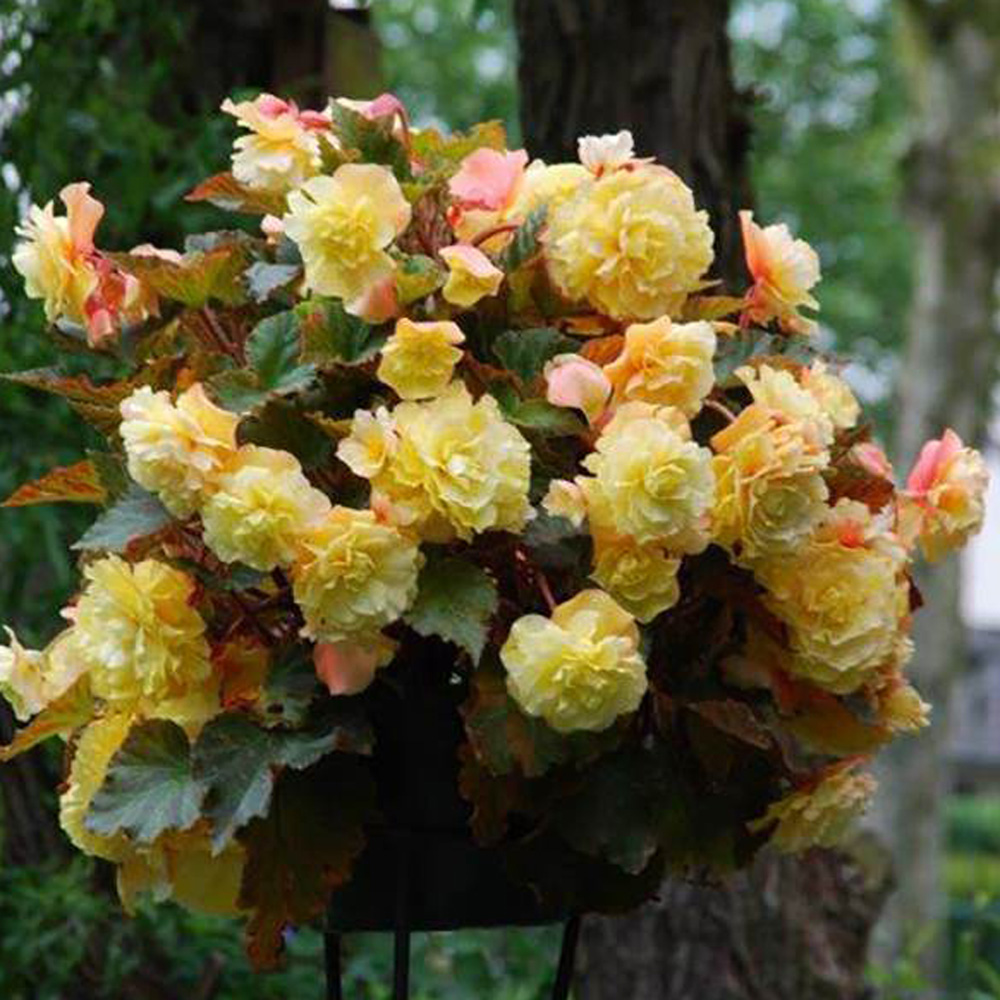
79, 483
74, 709
603, 350
97, 404
491, 796
226, 192
735, 719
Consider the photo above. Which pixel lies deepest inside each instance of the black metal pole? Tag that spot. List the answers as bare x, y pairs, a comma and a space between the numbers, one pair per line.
334, 989
567, 960
401, 957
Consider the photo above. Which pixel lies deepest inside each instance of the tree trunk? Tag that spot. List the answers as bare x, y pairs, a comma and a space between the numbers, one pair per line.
658, 67
788, 929
952, 54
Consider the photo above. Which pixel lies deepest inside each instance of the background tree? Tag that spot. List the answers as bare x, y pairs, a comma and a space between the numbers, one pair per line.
951, 53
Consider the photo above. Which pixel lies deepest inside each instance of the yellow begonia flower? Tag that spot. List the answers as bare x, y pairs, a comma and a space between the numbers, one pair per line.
789, 402
820, 816
833, 394
343, 225
566, 499
651, 482
419, 359
900, 707
371, 443
22, 678
354, 576
282, 149
844, 606
579, 669
641, 578
457, 468
665, 363
184, 867
261, 505
139, 633
177, 451
770, 491
631, 243
98, 743
471, 276
784, 271
54, 254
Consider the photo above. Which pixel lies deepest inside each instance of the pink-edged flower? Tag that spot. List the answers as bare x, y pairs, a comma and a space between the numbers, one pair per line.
384, 106
944, 501
784, 270
602, 153
378, 303
488, 179
872, 459
471, 275
349, 667
578, 383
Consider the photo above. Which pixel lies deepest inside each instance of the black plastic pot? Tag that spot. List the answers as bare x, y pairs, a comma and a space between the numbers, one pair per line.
421, 869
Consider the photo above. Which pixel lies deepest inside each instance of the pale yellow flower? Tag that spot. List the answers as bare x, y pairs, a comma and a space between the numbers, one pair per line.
665, 363
651, 482
579, 669
419, 359
833, 394
343, 225
458, 468
54, 254
784, 270
641, 578
778, 391
139, 632
281, 150
631, 243
98, 743
770, 491
843, 605
262, 504
177, 451
371, 443
354, 575
818, 816
900, 707
22, 678
566, 499
471, 275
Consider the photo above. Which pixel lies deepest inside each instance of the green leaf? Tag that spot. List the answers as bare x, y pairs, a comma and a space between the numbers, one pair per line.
226, 192
455, 601
555, 543
282, 425
238, 761
373, 139
303, 849
289, 690
525, 352
274, 351
136, 515
200, 277
524, 244
263, 278
111, 472
540, 415
442, 154
150, 786
331, 335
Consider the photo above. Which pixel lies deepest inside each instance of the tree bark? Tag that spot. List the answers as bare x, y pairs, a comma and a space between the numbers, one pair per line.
951, 51
658, 67
787, 929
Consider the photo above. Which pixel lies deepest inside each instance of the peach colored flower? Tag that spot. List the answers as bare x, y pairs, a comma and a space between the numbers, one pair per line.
378, 303
347, 668
784, 270
488, 179
872, 459
944, 502
577, 383
471, 275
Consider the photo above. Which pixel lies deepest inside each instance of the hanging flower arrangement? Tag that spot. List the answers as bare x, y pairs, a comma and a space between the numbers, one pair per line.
446, 393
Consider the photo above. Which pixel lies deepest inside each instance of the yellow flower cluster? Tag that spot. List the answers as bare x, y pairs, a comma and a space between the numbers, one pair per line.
631, 243
579, 669
354, 575
447, 468
819, 816
177, 450
343, 225
419, 359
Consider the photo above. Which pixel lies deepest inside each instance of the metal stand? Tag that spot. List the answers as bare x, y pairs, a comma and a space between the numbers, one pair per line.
403, 930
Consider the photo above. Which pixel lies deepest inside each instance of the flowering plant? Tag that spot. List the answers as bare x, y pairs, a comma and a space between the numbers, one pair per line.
446, 392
